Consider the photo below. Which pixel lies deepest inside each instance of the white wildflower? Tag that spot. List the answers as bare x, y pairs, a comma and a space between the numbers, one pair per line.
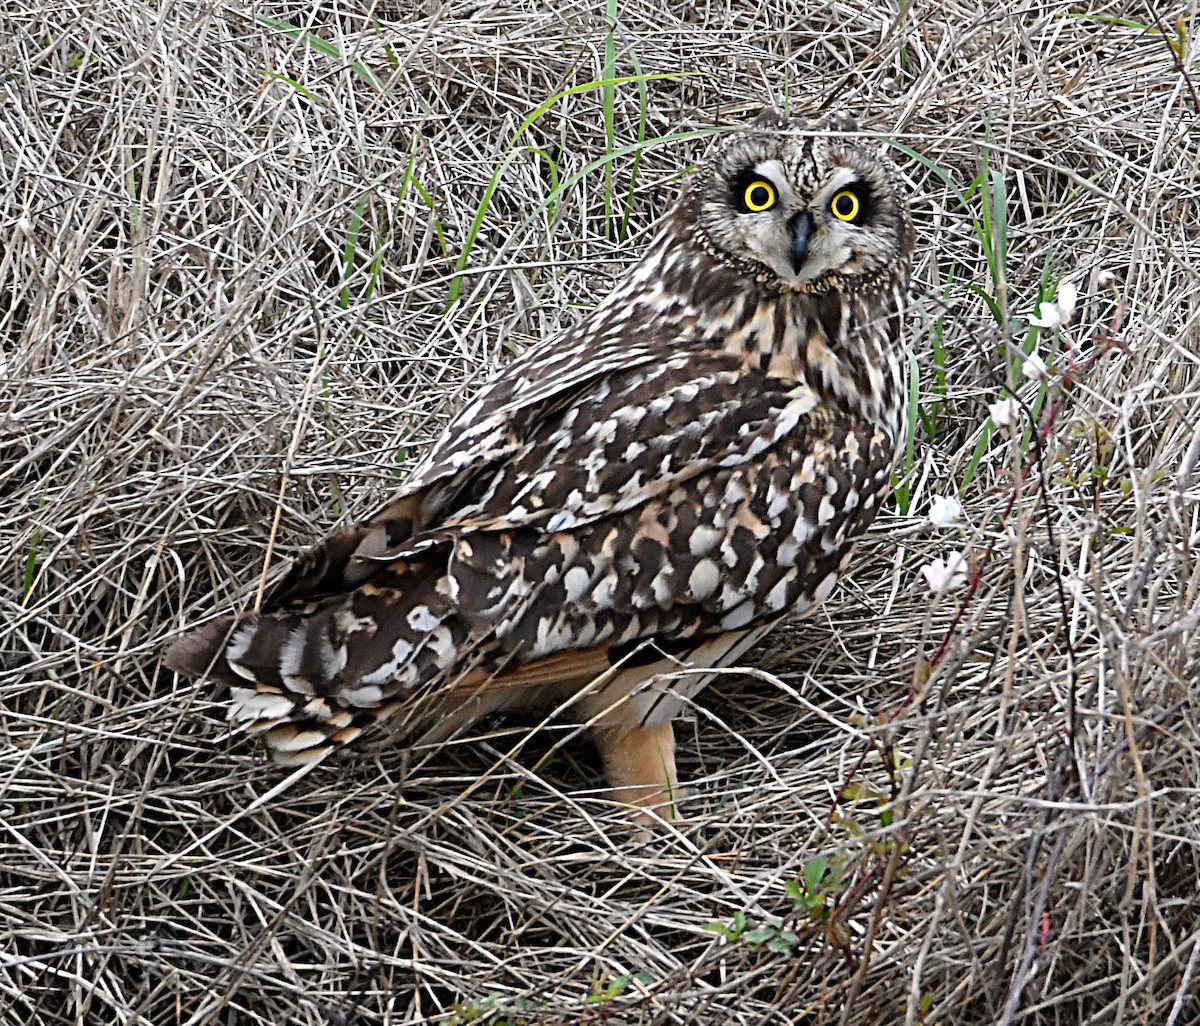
1067, 296
1058, 313
1034, 368
1046, 316
945, 511
1105, 279
947, 574
1005, 413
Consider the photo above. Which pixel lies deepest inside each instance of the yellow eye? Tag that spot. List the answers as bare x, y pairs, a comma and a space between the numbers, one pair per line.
845, 206
759, 195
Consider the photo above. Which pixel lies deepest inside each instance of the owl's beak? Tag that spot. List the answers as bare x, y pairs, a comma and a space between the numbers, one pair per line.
801, 226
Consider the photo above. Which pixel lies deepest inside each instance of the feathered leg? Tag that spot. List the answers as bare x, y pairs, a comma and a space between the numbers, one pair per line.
640, 766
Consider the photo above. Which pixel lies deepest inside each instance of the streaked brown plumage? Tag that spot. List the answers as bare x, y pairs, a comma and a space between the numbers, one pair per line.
648, 492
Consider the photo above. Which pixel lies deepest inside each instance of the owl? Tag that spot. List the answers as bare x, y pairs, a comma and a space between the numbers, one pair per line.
629, 505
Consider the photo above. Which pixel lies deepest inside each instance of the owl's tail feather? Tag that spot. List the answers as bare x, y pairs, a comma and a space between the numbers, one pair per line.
247, 653
310, 680
201, 652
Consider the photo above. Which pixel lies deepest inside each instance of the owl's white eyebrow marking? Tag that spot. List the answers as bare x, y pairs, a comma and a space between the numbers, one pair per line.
772, 169
843, 176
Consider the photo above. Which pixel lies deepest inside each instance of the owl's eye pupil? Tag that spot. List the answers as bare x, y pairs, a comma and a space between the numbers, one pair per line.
759, 195
846, 206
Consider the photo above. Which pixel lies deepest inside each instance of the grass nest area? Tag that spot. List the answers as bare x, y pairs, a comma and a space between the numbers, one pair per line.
253, 256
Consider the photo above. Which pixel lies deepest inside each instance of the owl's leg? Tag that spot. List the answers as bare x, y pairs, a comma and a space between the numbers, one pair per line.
640, 766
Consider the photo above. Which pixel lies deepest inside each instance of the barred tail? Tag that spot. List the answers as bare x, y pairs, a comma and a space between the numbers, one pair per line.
312, 679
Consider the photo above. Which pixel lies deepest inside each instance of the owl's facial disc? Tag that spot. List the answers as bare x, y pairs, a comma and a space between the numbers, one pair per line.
801, 214
805, 240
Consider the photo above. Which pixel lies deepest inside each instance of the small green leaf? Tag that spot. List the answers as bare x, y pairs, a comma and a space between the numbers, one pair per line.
781, 945
608, 992
814, 873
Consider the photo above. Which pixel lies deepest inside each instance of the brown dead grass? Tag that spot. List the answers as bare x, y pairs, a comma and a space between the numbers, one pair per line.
223, 308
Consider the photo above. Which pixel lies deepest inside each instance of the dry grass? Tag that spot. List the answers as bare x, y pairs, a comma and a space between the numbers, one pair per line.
226, 255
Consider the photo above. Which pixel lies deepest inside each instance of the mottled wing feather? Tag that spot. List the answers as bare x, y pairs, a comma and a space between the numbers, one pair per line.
494, 426
541, 381
348, 557
726, 527
487, 433
746, 541
623, 439
631, 437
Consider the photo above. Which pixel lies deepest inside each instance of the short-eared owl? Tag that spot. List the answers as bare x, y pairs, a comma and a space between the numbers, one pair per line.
628, 504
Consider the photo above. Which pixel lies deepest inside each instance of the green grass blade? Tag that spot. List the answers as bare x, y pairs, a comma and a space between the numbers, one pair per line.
321, 46
350, 250
476, 225
643, 103
901, 484
308, 94
608, 100
981, 447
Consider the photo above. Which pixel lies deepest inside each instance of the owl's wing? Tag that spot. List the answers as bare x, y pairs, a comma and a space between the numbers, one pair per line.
488, 432
730, 501
505, 413
688, 503
631, 437
558, 456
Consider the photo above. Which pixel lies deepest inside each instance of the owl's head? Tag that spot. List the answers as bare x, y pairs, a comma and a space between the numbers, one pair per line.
799, 209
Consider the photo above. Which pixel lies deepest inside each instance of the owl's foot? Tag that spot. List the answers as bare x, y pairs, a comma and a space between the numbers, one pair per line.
640, 766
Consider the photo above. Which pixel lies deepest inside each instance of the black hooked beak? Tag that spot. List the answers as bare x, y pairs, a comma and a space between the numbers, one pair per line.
801, 226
